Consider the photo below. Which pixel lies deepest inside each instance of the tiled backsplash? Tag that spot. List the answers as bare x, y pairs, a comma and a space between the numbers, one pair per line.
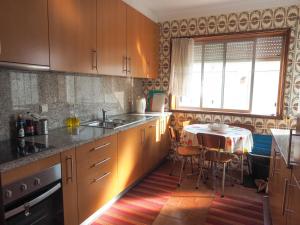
86, 95
236, 22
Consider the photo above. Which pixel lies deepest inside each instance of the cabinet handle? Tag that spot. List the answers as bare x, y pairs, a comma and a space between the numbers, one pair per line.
94, 59
124, 64
101, 162
100, 147
69, 177
129, 65
276, 153
100, 178
0, 47
151, 126
284, 196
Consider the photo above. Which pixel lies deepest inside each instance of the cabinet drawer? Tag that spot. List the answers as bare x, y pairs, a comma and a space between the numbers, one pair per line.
89, 172
96, 151
93, 195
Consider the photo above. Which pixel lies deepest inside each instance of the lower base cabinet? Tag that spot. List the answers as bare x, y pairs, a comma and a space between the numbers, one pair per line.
69, 186
96, 175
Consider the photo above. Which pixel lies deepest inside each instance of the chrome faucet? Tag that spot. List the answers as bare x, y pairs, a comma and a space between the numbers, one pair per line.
103, 116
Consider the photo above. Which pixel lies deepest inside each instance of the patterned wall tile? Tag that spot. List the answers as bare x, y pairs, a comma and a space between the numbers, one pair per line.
237, 22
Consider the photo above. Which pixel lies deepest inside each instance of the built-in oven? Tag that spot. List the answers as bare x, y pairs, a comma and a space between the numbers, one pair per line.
34, 200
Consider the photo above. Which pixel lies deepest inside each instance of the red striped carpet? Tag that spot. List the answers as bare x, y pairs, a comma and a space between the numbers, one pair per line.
142, 204
233, 210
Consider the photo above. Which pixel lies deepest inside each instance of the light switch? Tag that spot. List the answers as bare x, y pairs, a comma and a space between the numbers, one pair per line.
43, 108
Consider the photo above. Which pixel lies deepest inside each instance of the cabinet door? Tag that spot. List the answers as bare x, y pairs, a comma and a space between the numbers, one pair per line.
292, 209
69, 185
111, 38
129, 157
24, 32
151, 46
165, 138
151, 144
72, 26
136, 62
278, 181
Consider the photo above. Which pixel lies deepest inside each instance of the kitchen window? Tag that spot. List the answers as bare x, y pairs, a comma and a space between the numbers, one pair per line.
238, 73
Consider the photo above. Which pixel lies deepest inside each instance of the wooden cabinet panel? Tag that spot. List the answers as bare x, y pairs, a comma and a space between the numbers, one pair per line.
151, 46
111, 28
24, 32
165, 138
97, 175
137, 62
69, 186
292, 209
279, 179
72, 27
129, 157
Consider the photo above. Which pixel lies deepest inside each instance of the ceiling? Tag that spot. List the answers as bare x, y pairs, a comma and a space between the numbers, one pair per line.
162, 10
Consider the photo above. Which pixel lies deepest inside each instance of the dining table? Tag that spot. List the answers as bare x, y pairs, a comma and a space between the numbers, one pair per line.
237, 139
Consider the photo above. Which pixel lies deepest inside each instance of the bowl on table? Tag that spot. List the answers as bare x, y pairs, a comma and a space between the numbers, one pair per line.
218, 126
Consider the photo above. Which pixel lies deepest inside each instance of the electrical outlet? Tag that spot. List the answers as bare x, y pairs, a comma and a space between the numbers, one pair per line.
43, 108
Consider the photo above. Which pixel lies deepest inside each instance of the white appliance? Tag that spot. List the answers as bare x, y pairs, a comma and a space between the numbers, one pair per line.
140, 105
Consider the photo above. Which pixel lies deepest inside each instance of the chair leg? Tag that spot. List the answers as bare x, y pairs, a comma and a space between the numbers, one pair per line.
242, 168
192, 164
181, 170
223, 179
173, 166
201, 174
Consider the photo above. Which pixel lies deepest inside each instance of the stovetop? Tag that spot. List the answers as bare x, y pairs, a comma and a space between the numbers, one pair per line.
14, 149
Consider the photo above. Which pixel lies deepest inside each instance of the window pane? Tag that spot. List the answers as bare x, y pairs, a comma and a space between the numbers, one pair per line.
265, 91
237, 85
212, 84
212, 75
238, 68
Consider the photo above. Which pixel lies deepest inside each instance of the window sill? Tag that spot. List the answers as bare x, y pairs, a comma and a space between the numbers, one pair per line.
182, 110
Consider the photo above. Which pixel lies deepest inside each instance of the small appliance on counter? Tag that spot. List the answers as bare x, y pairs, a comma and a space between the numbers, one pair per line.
140, 105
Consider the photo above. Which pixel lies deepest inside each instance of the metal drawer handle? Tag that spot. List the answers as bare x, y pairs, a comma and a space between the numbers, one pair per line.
94, 59
69, 177
101, 162
100, 147
124, 64
151, 126
100, 178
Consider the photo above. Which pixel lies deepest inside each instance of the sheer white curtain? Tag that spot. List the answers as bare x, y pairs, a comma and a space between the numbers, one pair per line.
181, 66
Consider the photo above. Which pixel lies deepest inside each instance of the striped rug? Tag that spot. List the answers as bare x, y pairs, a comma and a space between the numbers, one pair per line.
142, 204
233, 210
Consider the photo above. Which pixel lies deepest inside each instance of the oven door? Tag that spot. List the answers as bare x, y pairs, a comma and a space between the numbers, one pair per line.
43, 207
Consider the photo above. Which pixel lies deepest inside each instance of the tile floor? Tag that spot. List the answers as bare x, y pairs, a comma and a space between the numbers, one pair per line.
189, 206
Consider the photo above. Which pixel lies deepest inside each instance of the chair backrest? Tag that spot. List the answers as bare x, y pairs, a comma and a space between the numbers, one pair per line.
186, 122
246, 126
211, 141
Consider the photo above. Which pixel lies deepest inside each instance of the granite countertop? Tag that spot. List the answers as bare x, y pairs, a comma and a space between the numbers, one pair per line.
61, 139
281, 137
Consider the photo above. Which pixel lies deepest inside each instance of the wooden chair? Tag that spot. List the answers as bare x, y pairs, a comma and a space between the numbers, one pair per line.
241, 154
214, 145
182, 153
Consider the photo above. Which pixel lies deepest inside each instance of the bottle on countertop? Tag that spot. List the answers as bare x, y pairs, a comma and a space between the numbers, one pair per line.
20, 125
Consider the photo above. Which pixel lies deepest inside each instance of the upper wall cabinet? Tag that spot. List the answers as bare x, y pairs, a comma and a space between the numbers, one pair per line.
136, 58
24, 33
111, 38
72, 28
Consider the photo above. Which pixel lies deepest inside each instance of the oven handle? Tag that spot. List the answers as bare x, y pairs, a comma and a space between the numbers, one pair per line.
31, 203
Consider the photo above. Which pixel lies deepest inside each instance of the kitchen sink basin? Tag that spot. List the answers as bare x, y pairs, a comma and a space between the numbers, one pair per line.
117, 121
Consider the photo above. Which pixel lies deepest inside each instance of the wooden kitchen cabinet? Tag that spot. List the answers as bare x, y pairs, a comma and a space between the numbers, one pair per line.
69, 187
72, 35
151, 46
292, 207
136, 55
151, 145
130, 158
279, 180
97, 175
165, 142
24, 32
111, 38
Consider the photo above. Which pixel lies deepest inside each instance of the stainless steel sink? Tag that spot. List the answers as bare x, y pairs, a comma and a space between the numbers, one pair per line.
117, 121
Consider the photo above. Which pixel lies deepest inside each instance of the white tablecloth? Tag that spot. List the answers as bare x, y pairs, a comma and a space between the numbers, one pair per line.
237, 139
